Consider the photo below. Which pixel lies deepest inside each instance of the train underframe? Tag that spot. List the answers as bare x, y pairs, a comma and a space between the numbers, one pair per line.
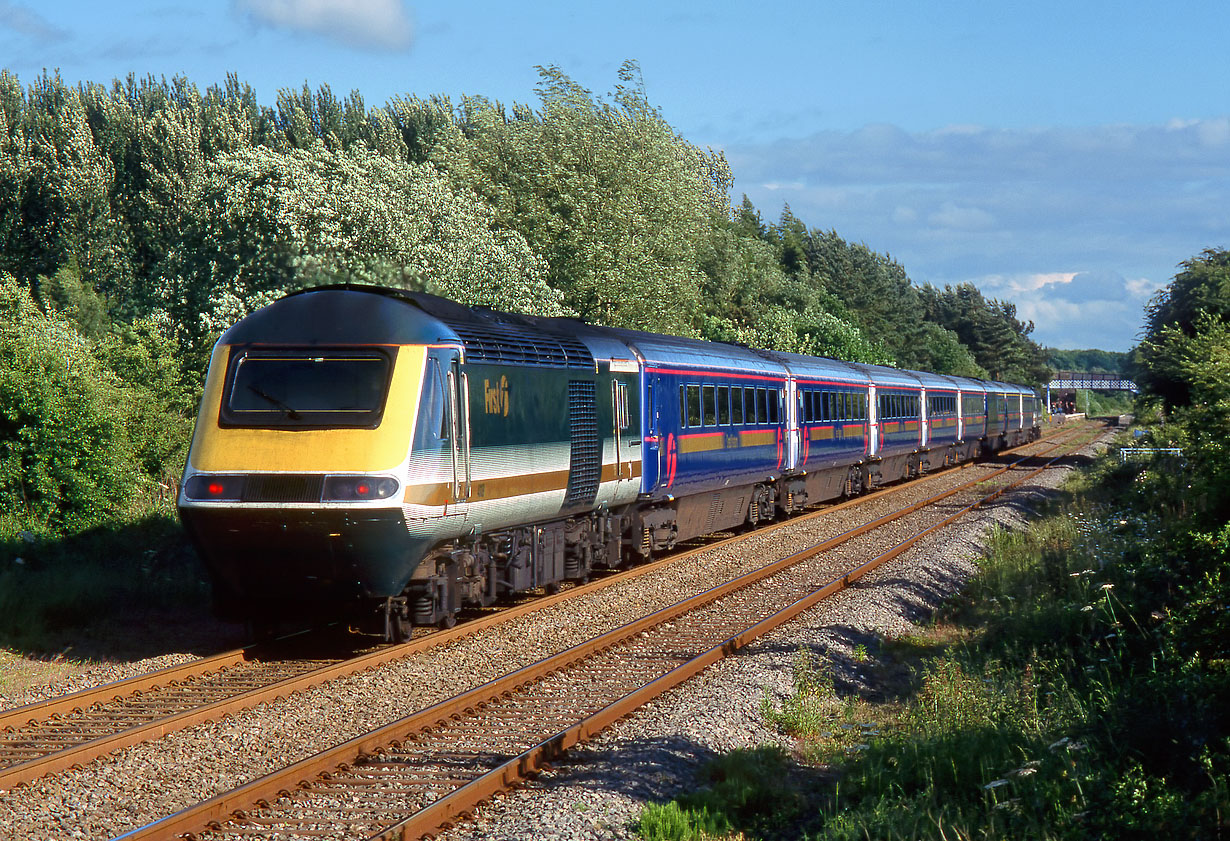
478, 571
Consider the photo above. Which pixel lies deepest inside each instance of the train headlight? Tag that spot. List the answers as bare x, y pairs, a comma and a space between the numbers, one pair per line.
214, 488
338, 488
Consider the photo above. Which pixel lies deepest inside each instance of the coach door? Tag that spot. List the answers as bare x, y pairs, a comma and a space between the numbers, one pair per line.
459, 428
794, 437
873, 422
627, 456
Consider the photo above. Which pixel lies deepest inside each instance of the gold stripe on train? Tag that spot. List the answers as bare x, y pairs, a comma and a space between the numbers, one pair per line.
702, 443
756, 439
506, 487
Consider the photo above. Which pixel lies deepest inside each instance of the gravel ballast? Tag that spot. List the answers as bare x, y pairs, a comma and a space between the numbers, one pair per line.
601, 787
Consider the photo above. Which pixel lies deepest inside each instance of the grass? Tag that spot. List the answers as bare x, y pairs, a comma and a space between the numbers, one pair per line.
56, 594
759, 793
1078, 688
19, 674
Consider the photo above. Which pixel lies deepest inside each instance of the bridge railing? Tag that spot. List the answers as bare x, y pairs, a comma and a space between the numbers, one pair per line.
1098, 381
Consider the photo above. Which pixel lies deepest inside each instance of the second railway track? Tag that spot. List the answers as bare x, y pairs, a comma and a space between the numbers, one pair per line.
530, 642
415, 775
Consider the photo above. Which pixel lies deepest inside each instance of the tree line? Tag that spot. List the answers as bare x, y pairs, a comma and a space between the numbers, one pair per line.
139, 219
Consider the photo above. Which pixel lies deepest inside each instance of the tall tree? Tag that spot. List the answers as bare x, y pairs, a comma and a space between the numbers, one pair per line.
1195, 301
618, 205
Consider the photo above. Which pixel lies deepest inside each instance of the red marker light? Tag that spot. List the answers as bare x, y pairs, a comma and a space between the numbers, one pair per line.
362, 489
216, 489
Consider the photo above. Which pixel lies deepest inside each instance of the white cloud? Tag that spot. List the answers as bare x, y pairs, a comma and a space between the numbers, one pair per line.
1037, 281
903, 215
1048, 213
26, 21
1142, 288
382, 24
950, 215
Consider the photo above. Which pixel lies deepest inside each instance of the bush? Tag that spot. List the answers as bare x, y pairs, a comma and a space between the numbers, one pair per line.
66, 462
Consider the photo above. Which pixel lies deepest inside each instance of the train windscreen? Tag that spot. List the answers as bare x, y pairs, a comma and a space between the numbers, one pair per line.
306, 389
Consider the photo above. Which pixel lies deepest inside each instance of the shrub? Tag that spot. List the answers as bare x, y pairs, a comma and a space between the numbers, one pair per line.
66, 462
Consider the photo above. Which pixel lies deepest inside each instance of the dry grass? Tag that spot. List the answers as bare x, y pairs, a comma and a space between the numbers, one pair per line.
19, 673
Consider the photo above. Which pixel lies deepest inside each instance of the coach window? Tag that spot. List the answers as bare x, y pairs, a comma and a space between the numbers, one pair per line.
736, 406
693, 405
708, 403
723, 398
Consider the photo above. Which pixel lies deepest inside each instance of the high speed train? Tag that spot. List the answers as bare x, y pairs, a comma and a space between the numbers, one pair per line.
390, 457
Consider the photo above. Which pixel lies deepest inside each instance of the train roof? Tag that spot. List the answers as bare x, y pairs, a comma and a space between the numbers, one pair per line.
970, 384
338, 315
817, 367
678, 352
362, 314
935, 381
883, 376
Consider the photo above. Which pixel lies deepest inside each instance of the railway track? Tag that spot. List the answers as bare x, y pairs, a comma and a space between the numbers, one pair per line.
423, 772
69, 731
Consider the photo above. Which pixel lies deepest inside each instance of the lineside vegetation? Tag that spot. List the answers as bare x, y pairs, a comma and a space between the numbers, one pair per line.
1078, 688
139, 219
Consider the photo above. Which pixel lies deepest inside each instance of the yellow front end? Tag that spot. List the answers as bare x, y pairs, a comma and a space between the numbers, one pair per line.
219, 449
310, 518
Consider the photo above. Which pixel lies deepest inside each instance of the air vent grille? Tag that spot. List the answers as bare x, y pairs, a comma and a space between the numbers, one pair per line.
504, 344
282, 487
585, 463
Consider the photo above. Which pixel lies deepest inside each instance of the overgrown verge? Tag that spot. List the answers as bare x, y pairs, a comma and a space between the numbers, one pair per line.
1078, 688
94, 423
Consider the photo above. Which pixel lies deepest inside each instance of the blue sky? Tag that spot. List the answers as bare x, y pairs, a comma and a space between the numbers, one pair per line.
1061, 155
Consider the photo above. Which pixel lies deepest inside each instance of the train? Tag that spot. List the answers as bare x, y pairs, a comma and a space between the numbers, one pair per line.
389, 458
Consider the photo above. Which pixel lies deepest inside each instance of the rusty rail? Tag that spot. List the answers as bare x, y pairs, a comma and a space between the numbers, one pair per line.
52, 736
373, 762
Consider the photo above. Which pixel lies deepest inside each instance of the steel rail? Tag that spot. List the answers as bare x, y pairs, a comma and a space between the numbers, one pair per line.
458, 804
59, 711
219, 808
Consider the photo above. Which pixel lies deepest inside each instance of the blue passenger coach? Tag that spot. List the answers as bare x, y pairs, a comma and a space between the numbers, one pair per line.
715, 434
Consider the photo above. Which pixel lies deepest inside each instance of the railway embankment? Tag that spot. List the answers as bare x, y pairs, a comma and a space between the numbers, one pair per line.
1076, 686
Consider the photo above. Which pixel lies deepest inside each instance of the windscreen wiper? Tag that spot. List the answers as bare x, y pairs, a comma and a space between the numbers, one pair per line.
286, 410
